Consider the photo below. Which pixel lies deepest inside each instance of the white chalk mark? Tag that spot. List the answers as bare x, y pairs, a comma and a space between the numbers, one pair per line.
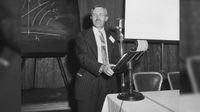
42, 33
28, 18
34, 9
36, 38
39, 1
52, 10
23, 4
50, 19
38, 14
44, 16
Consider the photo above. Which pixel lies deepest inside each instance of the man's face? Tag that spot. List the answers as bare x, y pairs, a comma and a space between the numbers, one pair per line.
99, 17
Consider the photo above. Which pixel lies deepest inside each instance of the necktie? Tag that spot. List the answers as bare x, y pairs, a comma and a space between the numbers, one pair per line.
103, 49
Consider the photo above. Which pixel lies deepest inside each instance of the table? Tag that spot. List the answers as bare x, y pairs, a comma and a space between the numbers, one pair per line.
189, 103
154, 101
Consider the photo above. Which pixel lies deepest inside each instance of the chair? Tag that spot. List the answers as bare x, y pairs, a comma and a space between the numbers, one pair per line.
147, 81
173, 78
193, 69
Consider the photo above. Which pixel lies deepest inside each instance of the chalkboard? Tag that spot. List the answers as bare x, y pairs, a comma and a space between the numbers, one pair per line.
48, 26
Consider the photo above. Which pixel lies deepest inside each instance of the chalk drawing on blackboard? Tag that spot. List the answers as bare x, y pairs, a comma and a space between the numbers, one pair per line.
43, 18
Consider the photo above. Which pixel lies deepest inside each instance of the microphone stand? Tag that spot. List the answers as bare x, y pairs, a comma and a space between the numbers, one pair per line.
130, 95
121, 39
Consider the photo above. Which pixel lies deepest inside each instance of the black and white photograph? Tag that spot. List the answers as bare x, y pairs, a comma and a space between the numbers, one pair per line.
99, 55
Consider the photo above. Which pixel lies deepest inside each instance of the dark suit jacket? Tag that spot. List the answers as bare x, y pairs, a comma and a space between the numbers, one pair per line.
86, 51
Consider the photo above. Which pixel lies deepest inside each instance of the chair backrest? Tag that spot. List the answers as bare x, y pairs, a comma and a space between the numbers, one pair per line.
147, 81
193, 68
173, 78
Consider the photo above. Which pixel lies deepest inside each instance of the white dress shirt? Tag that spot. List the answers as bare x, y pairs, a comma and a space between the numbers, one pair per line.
98, 42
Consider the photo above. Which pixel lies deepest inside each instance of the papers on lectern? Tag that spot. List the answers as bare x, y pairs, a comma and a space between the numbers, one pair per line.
131, 55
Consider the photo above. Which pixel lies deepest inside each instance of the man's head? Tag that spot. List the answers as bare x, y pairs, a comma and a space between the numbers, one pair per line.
99, 16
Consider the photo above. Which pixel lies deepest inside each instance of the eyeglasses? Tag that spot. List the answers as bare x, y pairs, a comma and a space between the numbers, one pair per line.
99, 15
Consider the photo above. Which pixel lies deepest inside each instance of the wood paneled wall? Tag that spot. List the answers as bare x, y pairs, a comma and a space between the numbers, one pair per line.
154, 61
43, 73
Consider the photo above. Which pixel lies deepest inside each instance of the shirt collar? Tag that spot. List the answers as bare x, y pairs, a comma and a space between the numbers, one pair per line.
95, 29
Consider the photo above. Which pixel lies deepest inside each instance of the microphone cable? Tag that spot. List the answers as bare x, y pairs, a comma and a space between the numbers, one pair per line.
120, 109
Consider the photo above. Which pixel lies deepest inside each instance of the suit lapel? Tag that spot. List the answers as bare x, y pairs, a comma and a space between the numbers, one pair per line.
92, 42
93, 45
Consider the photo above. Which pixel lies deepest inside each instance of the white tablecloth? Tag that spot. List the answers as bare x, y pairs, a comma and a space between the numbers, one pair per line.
189, 103
155, 101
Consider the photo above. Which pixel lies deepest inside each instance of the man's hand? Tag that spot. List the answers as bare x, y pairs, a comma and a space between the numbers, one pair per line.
107, 69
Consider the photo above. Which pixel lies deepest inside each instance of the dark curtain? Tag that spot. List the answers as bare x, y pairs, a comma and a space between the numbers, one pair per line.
10, 71
190, 27
190, 42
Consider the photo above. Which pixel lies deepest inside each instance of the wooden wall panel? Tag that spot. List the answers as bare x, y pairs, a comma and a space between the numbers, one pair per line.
47, 73
27, 73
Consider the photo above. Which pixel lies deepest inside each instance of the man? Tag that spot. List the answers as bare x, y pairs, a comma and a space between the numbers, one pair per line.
97, 51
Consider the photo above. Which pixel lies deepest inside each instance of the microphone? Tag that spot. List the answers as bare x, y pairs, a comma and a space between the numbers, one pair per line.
120, 24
